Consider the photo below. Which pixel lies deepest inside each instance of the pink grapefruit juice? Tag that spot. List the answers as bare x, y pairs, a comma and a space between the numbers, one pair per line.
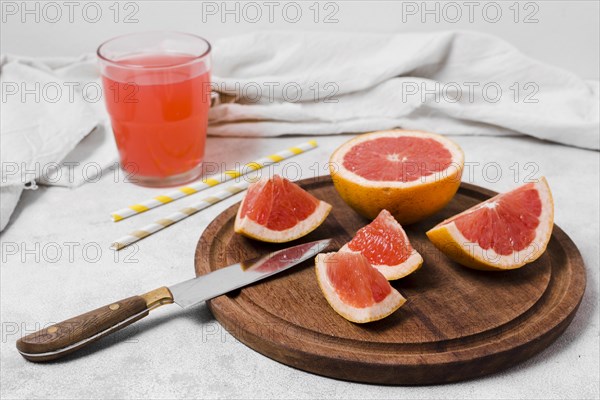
158, 105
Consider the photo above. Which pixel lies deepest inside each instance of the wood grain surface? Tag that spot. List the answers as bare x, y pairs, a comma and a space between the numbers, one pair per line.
457, 324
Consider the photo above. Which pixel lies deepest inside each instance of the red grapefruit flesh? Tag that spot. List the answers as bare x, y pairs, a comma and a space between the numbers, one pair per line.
409, 173
397, 159
385, 244
504, 232
354, 289
277, 210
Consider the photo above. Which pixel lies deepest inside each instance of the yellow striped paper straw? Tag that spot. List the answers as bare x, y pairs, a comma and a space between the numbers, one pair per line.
212, 181
179, 215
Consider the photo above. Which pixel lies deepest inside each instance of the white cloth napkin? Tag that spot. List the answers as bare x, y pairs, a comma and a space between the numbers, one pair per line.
403, 80
48, 107
275, 83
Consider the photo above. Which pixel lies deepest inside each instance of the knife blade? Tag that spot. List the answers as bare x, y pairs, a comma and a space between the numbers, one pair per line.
68, 336
221, 281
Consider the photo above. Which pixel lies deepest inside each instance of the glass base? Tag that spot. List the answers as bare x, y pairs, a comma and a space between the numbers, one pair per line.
169, 181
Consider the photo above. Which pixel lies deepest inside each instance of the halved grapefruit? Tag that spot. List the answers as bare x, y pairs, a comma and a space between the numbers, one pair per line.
277, 210
504, 232
385, 244
409, 173
354, 289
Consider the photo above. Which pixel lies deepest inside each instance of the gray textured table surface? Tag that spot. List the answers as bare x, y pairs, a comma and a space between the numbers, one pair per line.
185, 353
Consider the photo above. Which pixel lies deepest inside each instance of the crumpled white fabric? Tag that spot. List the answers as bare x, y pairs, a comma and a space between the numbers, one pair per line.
45, 116
278, 83
409, 80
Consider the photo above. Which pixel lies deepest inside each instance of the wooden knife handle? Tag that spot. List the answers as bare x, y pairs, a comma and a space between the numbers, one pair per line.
65, 337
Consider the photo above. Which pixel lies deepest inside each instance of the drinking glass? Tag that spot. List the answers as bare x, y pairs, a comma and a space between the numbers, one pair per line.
157, 92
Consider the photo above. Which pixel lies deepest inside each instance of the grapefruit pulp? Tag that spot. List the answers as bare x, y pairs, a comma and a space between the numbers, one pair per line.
504, 232
409, 173
277, 210
385, 244
354, 289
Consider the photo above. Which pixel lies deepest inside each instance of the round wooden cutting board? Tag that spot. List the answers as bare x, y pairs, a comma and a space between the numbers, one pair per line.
457, 323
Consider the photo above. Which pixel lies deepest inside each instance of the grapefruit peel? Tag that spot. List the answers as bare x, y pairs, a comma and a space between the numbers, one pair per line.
377, 311
408, 201
373, 232
448, 238
248, 227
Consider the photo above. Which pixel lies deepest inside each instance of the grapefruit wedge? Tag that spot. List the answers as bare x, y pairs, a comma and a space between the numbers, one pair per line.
277, 210
354, 289
411, 174
385, 244
504, 232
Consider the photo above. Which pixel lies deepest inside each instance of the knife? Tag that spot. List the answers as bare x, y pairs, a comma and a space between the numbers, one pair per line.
68, 336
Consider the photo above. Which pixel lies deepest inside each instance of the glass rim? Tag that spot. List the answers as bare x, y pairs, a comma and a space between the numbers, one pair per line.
132, 66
